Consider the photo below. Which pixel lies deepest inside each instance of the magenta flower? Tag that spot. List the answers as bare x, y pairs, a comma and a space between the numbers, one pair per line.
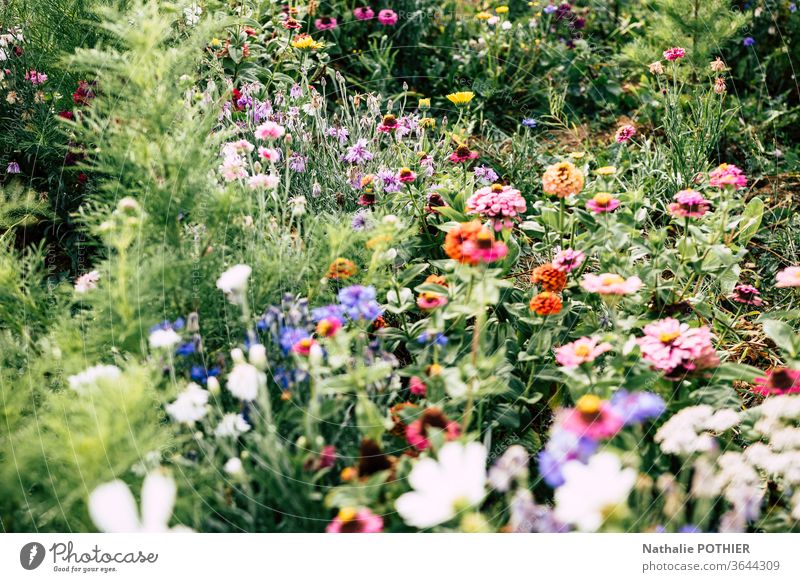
676, 349
689, 204
431, 419
727, 176
610, 284
746, 295
603, 202
364, 13
568, 259
429, 301
778, 381
462, 154
483, 248
387, 17
789, 277
501, 204
350, 520
406, 175
592, 418
674, 53
581, 351
326, 23
35, 77
625, 133
416, 386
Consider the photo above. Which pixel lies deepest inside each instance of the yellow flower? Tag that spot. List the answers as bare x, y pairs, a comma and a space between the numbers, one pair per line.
304, 42
501, 9
577, 155
427, 122
460, 97
424, 103
215, 42
606, 171
483, 15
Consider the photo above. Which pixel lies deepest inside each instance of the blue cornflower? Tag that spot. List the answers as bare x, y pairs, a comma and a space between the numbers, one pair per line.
427, 337
636, 407
550, 8
563, 446
327, 312
359, 302
529, 122
200, 374
289, 336
186, 349
748, 41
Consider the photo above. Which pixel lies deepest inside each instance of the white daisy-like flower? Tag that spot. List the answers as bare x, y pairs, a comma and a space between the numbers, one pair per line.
233, 282
91, 376
233, 466
191, 14
231, 425
164, 339
190, 405
113, 508
443, 487
245, 380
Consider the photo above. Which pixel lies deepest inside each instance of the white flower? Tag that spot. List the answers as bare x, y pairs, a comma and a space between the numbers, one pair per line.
113, 508
87, 282
233, 282
685, 432
590, 491
231, 425
233, 466
191, 14
244, 381
722, 420
190, 406
91, 376
257, 354
453, 384
512, 464
443, 487
164, 339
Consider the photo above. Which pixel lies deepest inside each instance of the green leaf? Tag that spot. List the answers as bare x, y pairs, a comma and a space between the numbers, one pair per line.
783, 336
751, 220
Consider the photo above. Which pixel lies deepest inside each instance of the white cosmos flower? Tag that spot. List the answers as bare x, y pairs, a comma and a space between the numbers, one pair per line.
233, 282
164, 339
245, 380
590, 491
443, 487
190, 405
91, 376
113, 508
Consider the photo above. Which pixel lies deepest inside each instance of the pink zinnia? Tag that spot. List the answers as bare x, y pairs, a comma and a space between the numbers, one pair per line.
689, 204
625, 133
483, 248
269, 130
611, 284
501, 204
431, 418
789, 277
325, 23
581, 351
428, 301
406, 175
462, 154
778, 381
364, 13
727, 176
674, 53
416, 386
603, 202
747, 295
675, 348
387, 17
592, 418
350, 520
568, 259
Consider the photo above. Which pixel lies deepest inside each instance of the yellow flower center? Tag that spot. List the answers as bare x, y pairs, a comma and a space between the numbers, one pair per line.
603, 198
611, 279
582, 350
588, 404
668, 336
347, 514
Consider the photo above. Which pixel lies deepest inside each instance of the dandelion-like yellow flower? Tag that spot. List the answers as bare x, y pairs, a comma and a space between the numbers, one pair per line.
424, 104
606, 171
427, 122
215, 42
482, 15
304, 42
501, 9
460, 97
577, 155
562, 180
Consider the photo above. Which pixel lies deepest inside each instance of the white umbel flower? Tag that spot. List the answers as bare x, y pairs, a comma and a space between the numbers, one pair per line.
190, 405
233, 282
593, 490
456, 481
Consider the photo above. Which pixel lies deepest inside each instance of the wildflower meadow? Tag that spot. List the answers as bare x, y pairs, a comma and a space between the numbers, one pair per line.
400, 266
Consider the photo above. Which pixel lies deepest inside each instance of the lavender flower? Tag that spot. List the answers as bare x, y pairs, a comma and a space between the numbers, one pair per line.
359, 302
13, 168
297, 162
390, 182
485, 174
358, 153
636, 407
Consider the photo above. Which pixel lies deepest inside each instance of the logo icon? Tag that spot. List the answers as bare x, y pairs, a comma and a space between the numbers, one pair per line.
31, 555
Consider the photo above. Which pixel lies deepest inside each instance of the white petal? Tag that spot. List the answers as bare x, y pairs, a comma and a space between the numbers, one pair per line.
421, 510
158, 499
113, 508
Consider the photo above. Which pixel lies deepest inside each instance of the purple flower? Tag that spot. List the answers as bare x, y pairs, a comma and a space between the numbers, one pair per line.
550, 8
339, 133
748, 41
297, 162
359, 302
358, 153
390, 181
563, 446
428, 337
529, 122
636, 407
360, 220
289, 336
13, 168
485, 174
327, 312
296, 91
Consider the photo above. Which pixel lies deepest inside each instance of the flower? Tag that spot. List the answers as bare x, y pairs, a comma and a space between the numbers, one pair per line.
546, 303
457, 236
350, 520
718, 66
778, 381
87, 282
483, 248
689, 204
341, 268
35, 77
656, 68
233, 467
675, 348
592, 417
568, 259
387, 17
233, 282
606, 170
358, 153
190, 405
610, 284
406, 175
364, 13
269, 130
163, 339
748, 41
462, 154
91, 376
245, 380
359, 302
687, 431
460, 97
727, 176
232, 425
592, 491
563, 446
603, 202
305, 42
428, 300
529, 122
416, 386
418, 431
328, 326
636, 407
719, 86
289, 337
501, 204
549, 278
513, 464
443, 487
788, 277
263, 182
485, 174
625, 133
305, 347
581, 351
326, 23
674, 53
747, 295
113, 508
562, 179
13, 168
388, 123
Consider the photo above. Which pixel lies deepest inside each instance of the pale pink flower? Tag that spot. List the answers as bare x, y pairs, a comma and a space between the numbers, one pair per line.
232, 168
611, 284
581, 351
789, 277
87, 282
269, 154
676, 349
263, 181
656, 68
501, 204
568, 259
269, 130
689, 204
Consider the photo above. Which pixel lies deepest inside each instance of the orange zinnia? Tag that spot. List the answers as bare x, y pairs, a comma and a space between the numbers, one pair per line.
546, 303
341, 269
562, 179
549, 278
457, 236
